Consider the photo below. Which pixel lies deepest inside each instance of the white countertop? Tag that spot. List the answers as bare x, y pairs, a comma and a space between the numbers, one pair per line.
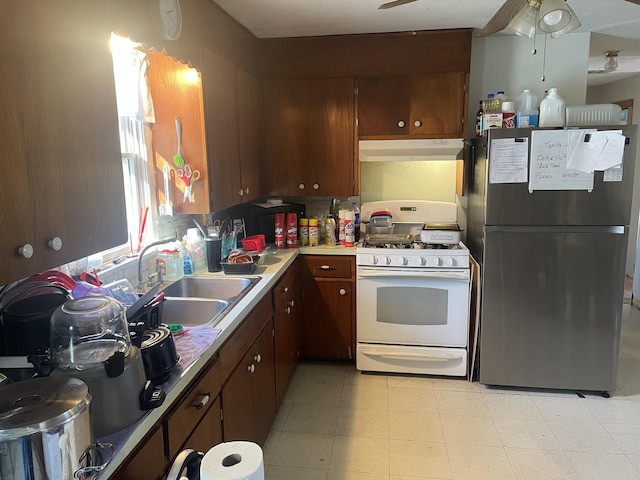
271, 267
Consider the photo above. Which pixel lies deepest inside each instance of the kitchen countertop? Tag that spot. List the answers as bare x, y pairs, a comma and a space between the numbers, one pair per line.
203, 342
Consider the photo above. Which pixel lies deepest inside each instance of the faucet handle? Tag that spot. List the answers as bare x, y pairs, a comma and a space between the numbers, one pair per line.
152, 279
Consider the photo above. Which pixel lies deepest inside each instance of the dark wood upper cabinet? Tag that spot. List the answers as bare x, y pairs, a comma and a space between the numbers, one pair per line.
309, 128
428, 105
61, 162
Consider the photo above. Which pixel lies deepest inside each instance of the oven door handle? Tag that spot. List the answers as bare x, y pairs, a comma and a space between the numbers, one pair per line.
440, 356
462, 275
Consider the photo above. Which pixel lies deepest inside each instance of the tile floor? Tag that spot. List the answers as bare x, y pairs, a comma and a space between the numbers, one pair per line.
338, 424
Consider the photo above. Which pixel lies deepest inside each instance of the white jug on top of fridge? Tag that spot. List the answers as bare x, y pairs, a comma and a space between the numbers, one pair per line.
553, 110
526, 110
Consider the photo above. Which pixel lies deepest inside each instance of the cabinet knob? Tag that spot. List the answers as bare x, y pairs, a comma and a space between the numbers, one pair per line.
301, 186
246, 191
285, 289
417, 123
203, 401
401, 123
26, 250
288, 310
55, 243
316, 186
343, 292
292, 303
257, 358
239, 192
251, 368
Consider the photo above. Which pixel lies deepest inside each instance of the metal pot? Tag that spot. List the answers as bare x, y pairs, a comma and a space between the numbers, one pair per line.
26, 321
45, 430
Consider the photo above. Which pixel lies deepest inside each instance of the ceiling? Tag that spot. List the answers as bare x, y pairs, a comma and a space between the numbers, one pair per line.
615, 24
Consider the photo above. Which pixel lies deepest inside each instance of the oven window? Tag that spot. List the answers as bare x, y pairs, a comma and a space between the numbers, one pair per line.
412, 305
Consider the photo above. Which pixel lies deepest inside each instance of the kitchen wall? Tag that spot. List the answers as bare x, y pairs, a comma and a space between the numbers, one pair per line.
626, 89
403, 180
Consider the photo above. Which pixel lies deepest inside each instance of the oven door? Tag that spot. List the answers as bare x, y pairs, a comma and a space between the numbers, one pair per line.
413, 307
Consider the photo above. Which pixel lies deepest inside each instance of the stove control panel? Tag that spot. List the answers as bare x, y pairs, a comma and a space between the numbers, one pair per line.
413, 259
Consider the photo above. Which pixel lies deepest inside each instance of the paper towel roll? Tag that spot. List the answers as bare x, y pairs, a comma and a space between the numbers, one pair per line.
233, 461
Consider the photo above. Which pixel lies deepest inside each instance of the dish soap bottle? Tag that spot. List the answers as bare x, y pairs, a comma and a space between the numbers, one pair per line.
552, 110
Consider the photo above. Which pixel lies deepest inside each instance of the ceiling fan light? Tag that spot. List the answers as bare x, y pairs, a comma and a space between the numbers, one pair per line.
524, 23
554, 15
573, 24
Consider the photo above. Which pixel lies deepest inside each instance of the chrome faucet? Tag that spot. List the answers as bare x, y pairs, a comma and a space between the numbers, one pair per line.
144, 250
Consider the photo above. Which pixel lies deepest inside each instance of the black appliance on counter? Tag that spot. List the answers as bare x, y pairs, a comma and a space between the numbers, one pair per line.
260, 217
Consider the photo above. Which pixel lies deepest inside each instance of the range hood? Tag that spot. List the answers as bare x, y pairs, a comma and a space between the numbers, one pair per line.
410, 150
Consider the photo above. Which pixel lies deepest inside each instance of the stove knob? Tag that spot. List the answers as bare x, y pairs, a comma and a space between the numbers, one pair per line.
400, 260
386, 260
432, 261
374, 260
449, 262
415, 261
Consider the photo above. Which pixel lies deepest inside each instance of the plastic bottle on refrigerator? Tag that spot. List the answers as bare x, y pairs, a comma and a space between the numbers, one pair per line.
500, 98
553, 110
479, 116
508, 115
527, 110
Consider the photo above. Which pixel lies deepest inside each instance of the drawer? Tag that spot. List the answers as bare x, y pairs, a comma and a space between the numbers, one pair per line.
282, 289
238, 344
329, 266
192, 408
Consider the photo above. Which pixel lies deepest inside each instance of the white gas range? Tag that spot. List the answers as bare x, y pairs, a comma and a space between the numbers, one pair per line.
412, 297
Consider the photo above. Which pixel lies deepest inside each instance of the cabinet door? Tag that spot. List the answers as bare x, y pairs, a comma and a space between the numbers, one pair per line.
263, 385
286, 136
295, 326
65, 154
437, 104
149, 462
221, 119
327, 307
281, 342
208, 432
330, 162
383, 106
250, 131
237, 403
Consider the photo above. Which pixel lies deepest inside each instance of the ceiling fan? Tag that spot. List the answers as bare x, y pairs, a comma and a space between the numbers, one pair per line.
497, 23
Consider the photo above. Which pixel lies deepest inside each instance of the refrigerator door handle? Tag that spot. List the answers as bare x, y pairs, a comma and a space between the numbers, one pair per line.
615, 229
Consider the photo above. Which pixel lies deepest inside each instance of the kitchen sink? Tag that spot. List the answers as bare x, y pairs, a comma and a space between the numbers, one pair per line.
223, 288
193, 301
190, 312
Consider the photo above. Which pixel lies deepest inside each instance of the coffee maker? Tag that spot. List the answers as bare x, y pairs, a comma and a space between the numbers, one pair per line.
90, 341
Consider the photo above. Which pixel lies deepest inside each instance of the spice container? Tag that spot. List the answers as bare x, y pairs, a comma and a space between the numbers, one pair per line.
313, 232
279, 230
304, 232
330, 231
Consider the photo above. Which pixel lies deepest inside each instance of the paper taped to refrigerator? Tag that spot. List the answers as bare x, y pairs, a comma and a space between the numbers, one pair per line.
509, 160
549, 170
591, 150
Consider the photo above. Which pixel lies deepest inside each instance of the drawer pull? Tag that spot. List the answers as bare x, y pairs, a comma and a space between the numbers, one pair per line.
326, 267
251, 368
203, 401
257, 358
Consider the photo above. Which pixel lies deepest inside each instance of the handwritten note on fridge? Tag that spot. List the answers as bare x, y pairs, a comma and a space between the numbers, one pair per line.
548, 169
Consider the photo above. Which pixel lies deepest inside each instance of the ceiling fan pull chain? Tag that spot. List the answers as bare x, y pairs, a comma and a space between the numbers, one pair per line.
544, 58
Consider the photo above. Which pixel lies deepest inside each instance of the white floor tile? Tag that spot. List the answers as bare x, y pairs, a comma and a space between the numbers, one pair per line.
523, 433
627, 437
360, 454
473, 462
566, 409
278, 472
322, 394
583, 437
305, 450
540, 464
602, 466
419, 426
413, 400
363, 422
413, 458
470, 430
511, 406
612, 410
365, 396
320, 419
461, 403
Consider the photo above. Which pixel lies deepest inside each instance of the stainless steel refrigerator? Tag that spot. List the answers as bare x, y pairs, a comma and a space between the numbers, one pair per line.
552, 263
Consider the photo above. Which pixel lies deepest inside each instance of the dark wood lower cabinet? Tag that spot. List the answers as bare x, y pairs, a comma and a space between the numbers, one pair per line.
149, 462
208, 433
248, 397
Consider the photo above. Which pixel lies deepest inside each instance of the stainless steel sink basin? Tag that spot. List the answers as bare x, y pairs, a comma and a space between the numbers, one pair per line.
224, 288
191, 312
193, 301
